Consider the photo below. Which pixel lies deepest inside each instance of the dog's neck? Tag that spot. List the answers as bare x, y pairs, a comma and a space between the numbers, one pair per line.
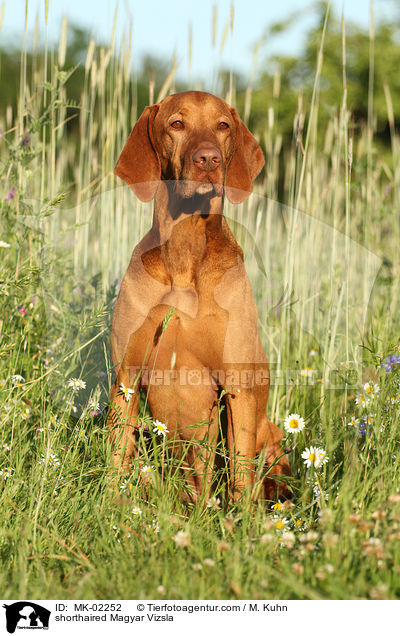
197, 214
183, 227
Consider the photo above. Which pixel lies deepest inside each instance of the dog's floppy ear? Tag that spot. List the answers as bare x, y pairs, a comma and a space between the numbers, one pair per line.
139, 165
246, 162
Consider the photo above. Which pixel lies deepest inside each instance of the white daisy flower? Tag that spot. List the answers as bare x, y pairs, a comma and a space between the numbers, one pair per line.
322, 456
280, 523
94, 404
4, 245
126, 391
51, 459
77, 383
17, 380
278, 506
293, 423
362, 400
354, 421
146, 469
307, 373
311, 457
7, 472
371, 390
126, 485
160, 428
136, 511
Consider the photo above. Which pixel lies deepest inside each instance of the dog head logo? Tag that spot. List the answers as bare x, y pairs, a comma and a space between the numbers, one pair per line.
26, 615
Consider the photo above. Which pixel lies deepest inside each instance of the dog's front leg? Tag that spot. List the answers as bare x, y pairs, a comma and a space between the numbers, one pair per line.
241, 439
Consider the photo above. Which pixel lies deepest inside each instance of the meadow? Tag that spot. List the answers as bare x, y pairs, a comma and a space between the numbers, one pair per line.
324, 265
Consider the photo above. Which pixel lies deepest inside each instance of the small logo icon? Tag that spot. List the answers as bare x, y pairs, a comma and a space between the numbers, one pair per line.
26, 615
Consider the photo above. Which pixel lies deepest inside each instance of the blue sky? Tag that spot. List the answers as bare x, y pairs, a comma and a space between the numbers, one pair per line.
161, 27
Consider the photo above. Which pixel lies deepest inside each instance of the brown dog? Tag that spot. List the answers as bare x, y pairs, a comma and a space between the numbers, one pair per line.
188, 152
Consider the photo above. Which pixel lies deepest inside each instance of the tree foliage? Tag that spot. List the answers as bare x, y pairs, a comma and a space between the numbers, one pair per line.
284, 81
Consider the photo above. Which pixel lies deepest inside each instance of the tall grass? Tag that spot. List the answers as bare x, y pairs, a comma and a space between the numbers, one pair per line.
324, 267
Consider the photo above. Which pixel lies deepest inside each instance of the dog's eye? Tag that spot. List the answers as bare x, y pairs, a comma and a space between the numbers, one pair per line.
223, 125
178, 124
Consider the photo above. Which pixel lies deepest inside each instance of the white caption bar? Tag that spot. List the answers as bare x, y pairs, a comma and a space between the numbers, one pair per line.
172, 617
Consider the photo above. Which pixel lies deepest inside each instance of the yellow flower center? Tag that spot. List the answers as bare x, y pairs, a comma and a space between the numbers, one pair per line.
278, 506
293, 423
368, 389
312, 457
279, 525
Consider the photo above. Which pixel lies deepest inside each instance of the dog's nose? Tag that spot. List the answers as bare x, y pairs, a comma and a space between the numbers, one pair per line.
207, 159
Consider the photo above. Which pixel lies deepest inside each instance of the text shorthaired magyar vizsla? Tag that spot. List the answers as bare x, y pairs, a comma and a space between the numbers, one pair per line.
187, 153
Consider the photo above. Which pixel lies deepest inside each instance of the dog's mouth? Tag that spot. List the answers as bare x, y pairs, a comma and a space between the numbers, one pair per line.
205, 188
188, 197
187, 188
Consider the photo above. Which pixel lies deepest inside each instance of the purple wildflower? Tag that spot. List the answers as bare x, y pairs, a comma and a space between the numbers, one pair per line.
22, 311
11, 194
362, 429
390, 362
26, 140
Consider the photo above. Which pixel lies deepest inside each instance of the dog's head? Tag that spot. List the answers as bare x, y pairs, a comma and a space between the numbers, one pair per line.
195, 140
